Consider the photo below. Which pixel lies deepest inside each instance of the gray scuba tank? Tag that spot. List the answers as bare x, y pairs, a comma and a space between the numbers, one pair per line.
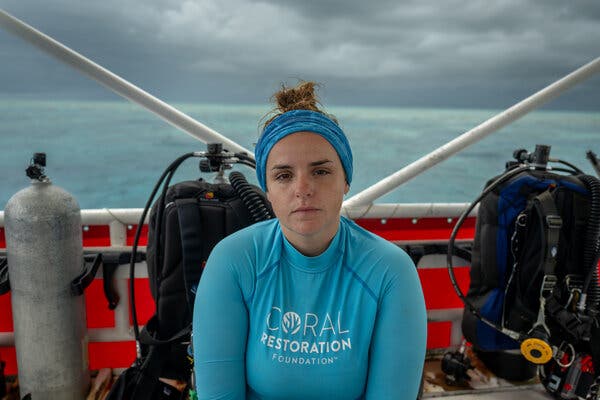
45, 253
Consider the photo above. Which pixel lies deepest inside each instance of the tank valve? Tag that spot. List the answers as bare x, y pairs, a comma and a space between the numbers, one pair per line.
36, 167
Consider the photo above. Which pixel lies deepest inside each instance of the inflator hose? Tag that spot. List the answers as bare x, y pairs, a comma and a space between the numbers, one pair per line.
256, 205
592, 242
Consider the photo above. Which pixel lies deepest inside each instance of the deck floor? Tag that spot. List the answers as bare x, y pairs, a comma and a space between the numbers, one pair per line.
482, 384
535, 393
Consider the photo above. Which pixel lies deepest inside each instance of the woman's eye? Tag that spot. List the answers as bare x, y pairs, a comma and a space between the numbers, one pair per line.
321, 172
282, 176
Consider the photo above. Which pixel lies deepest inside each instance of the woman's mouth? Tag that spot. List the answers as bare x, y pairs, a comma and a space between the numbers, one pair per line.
305, 210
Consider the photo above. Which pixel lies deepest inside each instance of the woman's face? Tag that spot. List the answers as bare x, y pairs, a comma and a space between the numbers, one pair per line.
306, 186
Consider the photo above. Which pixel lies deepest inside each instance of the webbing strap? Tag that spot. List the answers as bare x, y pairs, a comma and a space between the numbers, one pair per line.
190, 229
551, 224
146, 337
579, 328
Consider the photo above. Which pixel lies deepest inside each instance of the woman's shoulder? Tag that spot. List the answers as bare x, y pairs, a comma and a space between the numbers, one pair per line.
244, 254
257, 233
373, 250
252, 245
366, 240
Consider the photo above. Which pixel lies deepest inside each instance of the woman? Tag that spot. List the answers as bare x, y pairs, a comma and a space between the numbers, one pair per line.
307, 305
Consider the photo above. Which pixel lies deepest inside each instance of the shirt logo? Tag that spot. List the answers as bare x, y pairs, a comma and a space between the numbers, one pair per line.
291, 322
307, 338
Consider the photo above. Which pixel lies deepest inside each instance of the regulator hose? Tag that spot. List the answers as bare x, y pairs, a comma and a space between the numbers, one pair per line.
574, 171
255, 203
592, 241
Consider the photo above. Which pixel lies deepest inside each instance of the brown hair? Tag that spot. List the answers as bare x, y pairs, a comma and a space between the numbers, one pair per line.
299, 97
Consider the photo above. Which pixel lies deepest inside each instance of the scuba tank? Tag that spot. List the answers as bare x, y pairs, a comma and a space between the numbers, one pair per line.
45, 253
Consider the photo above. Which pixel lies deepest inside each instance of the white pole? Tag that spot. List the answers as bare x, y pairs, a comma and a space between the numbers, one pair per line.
389, 183
116, 83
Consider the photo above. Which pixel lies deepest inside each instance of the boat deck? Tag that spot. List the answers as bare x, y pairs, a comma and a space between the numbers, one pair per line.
529, 393
482, 384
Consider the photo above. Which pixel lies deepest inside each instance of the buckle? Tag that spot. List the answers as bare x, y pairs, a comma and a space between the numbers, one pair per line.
554, 221
548, 284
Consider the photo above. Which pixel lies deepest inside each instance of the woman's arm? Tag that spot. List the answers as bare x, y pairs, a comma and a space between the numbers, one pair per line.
399, 339
220, 330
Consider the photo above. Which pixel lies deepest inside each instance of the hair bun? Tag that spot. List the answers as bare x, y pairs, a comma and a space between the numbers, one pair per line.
301, 97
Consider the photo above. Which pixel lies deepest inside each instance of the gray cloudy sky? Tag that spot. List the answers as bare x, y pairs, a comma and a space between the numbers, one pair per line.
446, 53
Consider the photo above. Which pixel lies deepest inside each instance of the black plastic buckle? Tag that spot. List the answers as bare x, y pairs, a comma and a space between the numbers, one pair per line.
554, 221
548, 284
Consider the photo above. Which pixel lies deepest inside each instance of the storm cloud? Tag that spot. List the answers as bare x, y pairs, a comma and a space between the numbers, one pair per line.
386, 53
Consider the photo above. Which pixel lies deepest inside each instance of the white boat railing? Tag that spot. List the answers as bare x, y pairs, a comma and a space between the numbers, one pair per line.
119, 219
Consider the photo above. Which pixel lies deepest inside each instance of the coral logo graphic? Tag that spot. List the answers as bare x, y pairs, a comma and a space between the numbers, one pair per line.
291, 322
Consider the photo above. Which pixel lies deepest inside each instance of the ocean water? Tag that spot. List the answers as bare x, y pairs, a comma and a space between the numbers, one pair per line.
110, 154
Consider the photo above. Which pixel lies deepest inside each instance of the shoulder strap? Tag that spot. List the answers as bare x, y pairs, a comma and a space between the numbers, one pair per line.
190, 229
551, 224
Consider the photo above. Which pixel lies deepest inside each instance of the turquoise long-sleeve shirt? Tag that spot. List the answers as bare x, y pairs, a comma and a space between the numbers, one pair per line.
271, 323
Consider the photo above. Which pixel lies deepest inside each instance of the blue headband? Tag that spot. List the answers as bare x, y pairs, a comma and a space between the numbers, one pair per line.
301, 121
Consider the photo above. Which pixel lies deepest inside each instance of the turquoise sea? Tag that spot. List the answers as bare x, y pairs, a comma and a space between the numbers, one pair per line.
110, 154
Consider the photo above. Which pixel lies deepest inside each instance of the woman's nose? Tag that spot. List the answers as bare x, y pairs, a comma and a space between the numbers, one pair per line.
304, 186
